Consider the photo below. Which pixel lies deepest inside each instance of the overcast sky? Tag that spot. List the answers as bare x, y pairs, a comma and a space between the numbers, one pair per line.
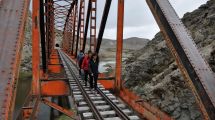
139, 21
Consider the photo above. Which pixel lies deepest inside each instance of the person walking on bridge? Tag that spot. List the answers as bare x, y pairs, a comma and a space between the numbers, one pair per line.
93, 70
85, 66
80, 58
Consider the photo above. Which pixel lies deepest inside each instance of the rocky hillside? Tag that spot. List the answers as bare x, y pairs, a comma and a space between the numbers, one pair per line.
153, 73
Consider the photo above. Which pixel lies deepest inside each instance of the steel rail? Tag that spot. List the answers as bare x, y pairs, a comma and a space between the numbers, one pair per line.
86, 96
119, 112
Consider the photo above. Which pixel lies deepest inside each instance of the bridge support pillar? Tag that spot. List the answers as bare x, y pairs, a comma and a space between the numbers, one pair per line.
35, 48
119, 48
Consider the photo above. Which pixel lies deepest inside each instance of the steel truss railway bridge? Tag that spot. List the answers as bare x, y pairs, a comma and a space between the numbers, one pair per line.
54, 73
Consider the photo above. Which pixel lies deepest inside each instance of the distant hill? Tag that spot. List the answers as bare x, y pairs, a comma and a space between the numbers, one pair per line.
132, 43
108, 47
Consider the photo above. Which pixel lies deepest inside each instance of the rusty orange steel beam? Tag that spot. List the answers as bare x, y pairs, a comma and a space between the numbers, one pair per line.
75, 25
70, 29
119, 48
80, 26
147, 111
93, 25
35, 48
13, 14
195, 69
59, 108
82, 19
143, 108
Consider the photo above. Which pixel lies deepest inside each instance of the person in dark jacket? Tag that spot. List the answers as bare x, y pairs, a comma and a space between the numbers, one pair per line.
80, 58
85, 66
93, 70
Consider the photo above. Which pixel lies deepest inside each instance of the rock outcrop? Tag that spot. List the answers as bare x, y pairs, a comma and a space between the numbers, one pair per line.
152, 72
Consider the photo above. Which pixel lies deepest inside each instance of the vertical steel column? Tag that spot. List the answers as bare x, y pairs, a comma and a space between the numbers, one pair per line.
93, 25
65, 45
63, 42
103, 24
67, 38
70, 30
47, 26
86, 25
52, 28
35, 48
51, 12
82, 11
48, 33
47, 14
78, 29
74, 27
42, 36
120, 22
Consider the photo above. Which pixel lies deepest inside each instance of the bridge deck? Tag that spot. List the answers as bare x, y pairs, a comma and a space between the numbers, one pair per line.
99, 104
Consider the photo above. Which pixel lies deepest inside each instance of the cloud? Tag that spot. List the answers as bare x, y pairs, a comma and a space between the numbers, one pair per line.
138, 19
183, 6
133, 31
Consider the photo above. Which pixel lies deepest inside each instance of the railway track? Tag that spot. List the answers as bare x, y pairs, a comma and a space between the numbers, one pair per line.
99, 105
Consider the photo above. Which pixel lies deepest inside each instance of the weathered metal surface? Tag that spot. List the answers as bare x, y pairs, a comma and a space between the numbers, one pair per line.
54, 88
49, 16
80, 27
86, 25
93, 25
12, 21
27, 111
193, 66
103, 24
143, 108
42, 36
61, 9
195, 69
82, 20
35, 48
75, 25
119, 47
59, 108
